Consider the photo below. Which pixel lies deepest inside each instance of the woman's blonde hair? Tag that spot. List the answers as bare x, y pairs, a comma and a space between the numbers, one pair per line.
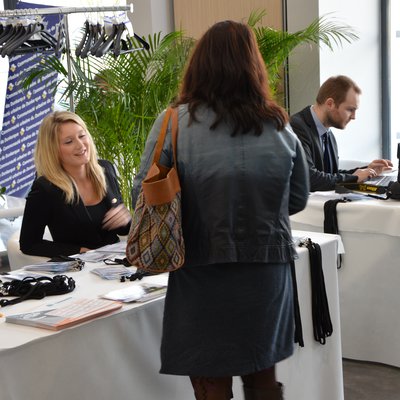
47, 156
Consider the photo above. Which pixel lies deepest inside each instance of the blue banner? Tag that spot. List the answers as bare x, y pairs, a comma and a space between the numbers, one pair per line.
23, 112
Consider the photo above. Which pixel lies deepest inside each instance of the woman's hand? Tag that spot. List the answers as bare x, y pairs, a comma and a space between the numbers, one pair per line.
116, 217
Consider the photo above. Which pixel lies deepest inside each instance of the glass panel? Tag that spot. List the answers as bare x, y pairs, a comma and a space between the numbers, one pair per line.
395, 75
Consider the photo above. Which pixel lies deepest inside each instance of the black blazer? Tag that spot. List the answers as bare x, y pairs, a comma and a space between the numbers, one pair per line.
304, 126
70, 225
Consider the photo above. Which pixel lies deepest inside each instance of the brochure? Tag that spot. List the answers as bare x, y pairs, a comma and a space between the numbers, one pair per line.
64, 313
56, 267
138, 292
115, 250
112, 271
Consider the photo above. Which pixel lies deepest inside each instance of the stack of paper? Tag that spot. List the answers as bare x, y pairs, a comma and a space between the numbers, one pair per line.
20, 275
138, 292
109, 251
64, 313
56, 267
112, 271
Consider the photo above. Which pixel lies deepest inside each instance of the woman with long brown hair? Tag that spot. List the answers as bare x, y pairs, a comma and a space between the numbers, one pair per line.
228, 310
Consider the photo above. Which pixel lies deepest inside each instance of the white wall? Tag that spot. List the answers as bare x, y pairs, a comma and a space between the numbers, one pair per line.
304, 65
152, 16
360, 60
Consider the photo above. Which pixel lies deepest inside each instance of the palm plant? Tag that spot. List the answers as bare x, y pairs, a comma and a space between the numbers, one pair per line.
119, 98
276, 45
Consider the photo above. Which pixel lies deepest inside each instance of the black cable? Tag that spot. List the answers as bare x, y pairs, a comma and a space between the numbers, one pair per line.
330, 220
322, 324
298, 331
35, 288
330, 216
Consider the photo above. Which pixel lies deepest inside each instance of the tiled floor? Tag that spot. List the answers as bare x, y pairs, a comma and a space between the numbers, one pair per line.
370, 381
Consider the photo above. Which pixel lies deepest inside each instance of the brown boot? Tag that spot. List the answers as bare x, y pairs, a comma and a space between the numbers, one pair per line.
264, 394
212, 388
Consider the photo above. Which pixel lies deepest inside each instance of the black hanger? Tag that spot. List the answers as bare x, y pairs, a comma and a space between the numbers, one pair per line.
100, 40
117, 39
122, 46
6, 32
142, 41
35, 38
95, 33
45, 42
21, 34
103, 48
83, 40
61, 38
90, 40
12, 32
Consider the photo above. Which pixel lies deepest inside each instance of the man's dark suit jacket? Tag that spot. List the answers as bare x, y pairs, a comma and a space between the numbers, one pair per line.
70, 225
304, 126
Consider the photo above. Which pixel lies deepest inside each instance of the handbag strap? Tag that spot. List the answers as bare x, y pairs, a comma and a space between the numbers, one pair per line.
172, 114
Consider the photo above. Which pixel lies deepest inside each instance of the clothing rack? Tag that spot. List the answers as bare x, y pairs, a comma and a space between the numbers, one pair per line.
65, 11
62, 10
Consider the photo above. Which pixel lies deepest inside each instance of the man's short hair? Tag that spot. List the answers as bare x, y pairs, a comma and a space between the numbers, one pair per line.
336, 87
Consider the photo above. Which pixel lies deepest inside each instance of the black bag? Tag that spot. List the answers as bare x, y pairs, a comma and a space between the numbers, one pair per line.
34, 288
393, 191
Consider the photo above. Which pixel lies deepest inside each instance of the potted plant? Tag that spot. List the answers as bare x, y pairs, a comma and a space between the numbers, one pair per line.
119, 98
276, 45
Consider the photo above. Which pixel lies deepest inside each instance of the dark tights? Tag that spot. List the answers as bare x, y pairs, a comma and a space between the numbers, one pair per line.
206, 388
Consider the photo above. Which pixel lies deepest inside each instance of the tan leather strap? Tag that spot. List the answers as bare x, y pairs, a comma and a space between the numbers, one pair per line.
174, 133
161, 137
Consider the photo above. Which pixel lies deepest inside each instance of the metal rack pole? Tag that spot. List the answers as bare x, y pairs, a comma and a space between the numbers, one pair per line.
69, 68
62, 10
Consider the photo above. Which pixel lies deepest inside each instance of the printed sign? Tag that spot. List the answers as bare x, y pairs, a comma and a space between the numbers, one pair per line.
23, 112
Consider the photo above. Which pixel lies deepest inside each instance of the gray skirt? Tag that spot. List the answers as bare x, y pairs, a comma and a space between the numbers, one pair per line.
227, 319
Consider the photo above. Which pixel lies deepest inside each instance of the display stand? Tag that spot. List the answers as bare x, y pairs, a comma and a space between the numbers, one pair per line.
64, 11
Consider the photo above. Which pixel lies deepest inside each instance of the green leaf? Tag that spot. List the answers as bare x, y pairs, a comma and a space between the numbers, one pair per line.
276, 46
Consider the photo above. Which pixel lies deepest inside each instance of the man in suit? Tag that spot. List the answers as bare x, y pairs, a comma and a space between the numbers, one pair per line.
336, 105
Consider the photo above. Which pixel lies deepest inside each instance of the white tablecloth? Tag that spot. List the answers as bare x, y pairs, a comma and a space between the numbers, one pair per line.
11, 207
369, 279
117, 356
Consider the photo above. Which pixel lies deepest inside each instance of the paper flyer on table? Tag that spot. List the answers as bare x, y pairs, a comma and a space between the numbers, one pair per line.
64, 313
139, 292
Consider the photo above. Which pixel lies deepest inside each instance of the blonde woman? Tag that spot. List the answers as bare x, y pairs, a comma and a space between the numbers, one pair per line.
75, 195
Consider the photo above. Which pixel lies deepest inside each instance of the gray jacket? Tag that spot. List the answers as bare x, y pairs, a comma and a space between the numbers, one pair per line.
237, 191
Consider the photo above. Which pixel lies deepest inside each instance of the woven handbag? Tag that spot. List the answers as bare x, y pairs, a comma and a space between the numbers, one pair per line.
155, 240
